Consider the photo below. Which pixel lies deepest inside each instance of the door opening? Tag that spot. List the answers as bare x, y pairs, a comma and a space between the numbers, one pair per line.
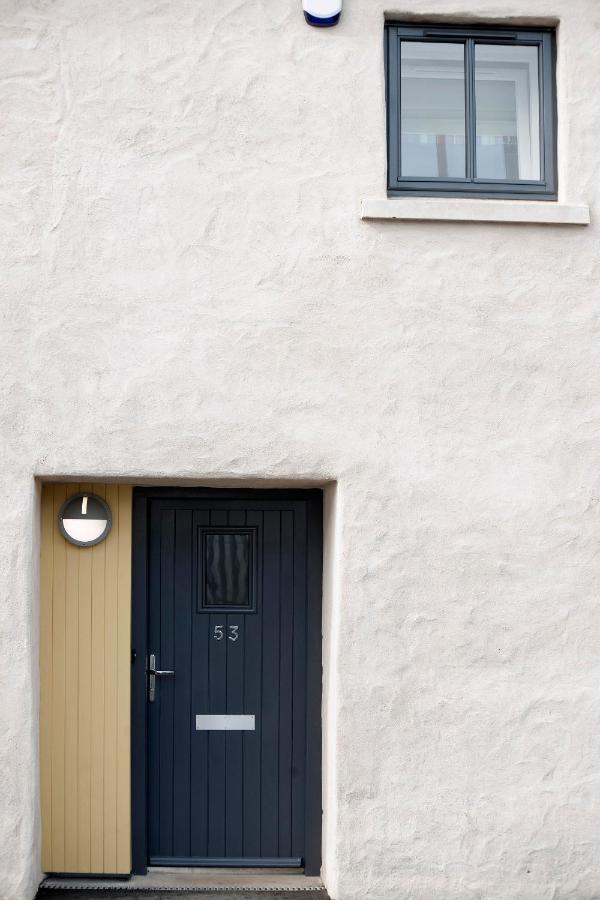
226, 688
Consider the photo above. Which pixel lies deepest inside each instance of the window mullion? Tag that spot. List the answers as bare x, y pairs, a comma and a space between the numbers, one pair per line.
470, 107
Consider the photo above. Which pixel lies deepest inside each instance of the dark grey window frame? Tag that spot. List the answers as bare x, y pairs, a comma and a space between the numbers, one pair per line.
545, 40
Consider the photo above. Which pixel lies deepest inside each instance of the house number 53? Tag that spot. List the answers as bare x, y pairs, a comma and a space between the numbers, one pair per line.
233, 632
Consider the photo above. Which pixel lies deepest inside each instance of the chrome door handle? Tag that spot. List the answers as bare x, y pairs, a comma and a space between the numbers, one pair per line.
152, 673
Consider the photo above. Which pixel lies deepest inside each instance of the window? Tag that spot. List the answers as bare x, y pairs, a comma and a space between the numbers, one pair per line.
227, 569
471, 112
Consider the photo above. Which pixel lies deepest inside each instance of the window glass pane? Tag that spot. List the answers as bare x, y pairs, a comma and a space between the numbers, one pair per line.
227, 570
432, 103
507, 105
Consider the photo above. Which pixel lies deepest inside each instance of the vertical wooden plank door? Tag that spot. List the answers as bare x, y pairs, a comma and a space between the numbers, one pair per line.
230, 732
85, 713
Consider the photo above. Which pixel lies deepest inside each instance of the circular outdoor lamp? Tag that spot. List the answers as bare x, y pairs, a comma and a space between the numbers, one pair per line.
85, 520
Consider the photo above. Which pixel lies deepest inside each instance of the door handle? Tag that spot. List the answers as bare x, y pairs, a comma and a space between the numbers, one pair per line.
152, 673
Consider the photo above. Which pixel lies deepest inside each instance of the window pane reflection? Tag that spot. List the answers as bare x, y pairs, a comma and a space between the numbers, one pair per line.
507, 104
227, 570
432, 102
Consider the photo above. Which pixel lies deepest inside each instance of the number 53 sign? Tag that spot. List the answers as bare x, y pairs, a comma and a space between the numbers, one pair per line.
232, 632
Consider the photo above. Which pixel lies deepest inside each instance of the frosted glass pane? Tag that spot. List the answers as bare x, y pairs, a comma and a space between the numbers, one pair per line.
227, 570
432, 104
507, 105
84, 530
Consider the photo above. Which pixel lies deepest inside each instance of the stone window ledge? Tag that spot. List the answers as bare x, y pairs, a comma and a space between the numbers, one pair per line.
447, 209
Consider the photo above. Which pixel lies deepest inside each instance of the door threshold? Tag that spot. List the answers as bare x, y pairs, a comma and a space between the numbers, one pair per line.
188, 879
227, 871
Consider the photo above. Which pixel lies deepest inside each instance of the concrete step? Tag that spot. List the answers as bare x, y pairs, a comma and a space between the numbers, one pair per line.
226, 884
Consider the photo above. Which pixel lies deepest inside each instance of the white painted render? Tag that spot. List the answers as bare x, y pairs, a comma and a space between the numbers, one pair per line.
189, 293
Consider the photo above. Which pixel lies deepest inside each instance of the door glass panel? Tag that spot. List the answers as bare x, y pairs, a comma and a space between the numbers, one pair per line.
432, 103
227, 570
507, 107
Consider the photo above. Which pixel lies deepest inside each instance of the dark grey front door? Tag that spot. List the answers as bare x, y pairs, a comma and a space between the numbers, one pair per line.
234, 732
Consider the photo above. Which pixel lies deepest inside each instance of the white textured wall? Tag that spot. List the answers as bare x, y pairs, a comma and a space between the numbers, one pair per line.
188, 292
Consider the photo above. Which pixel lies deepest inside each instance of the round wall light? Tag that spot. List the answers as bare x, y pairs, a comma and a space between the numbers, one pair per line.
85, 520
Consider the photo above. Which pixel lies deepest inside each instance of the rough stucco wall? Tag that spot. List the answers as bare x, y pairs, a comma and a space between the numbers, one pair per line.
188, 292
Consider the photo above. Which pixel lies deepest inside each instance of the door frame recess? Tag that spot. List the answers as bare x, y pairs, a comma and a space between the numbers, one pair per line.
139, 650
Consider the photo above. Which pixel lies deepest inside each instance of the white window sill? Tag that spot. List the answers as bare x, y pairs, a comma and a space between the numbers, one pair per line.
447, 209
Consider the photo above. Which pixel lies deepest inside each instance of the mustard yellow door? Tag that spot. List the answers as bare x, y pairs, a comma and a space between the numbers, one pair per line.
85, 690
